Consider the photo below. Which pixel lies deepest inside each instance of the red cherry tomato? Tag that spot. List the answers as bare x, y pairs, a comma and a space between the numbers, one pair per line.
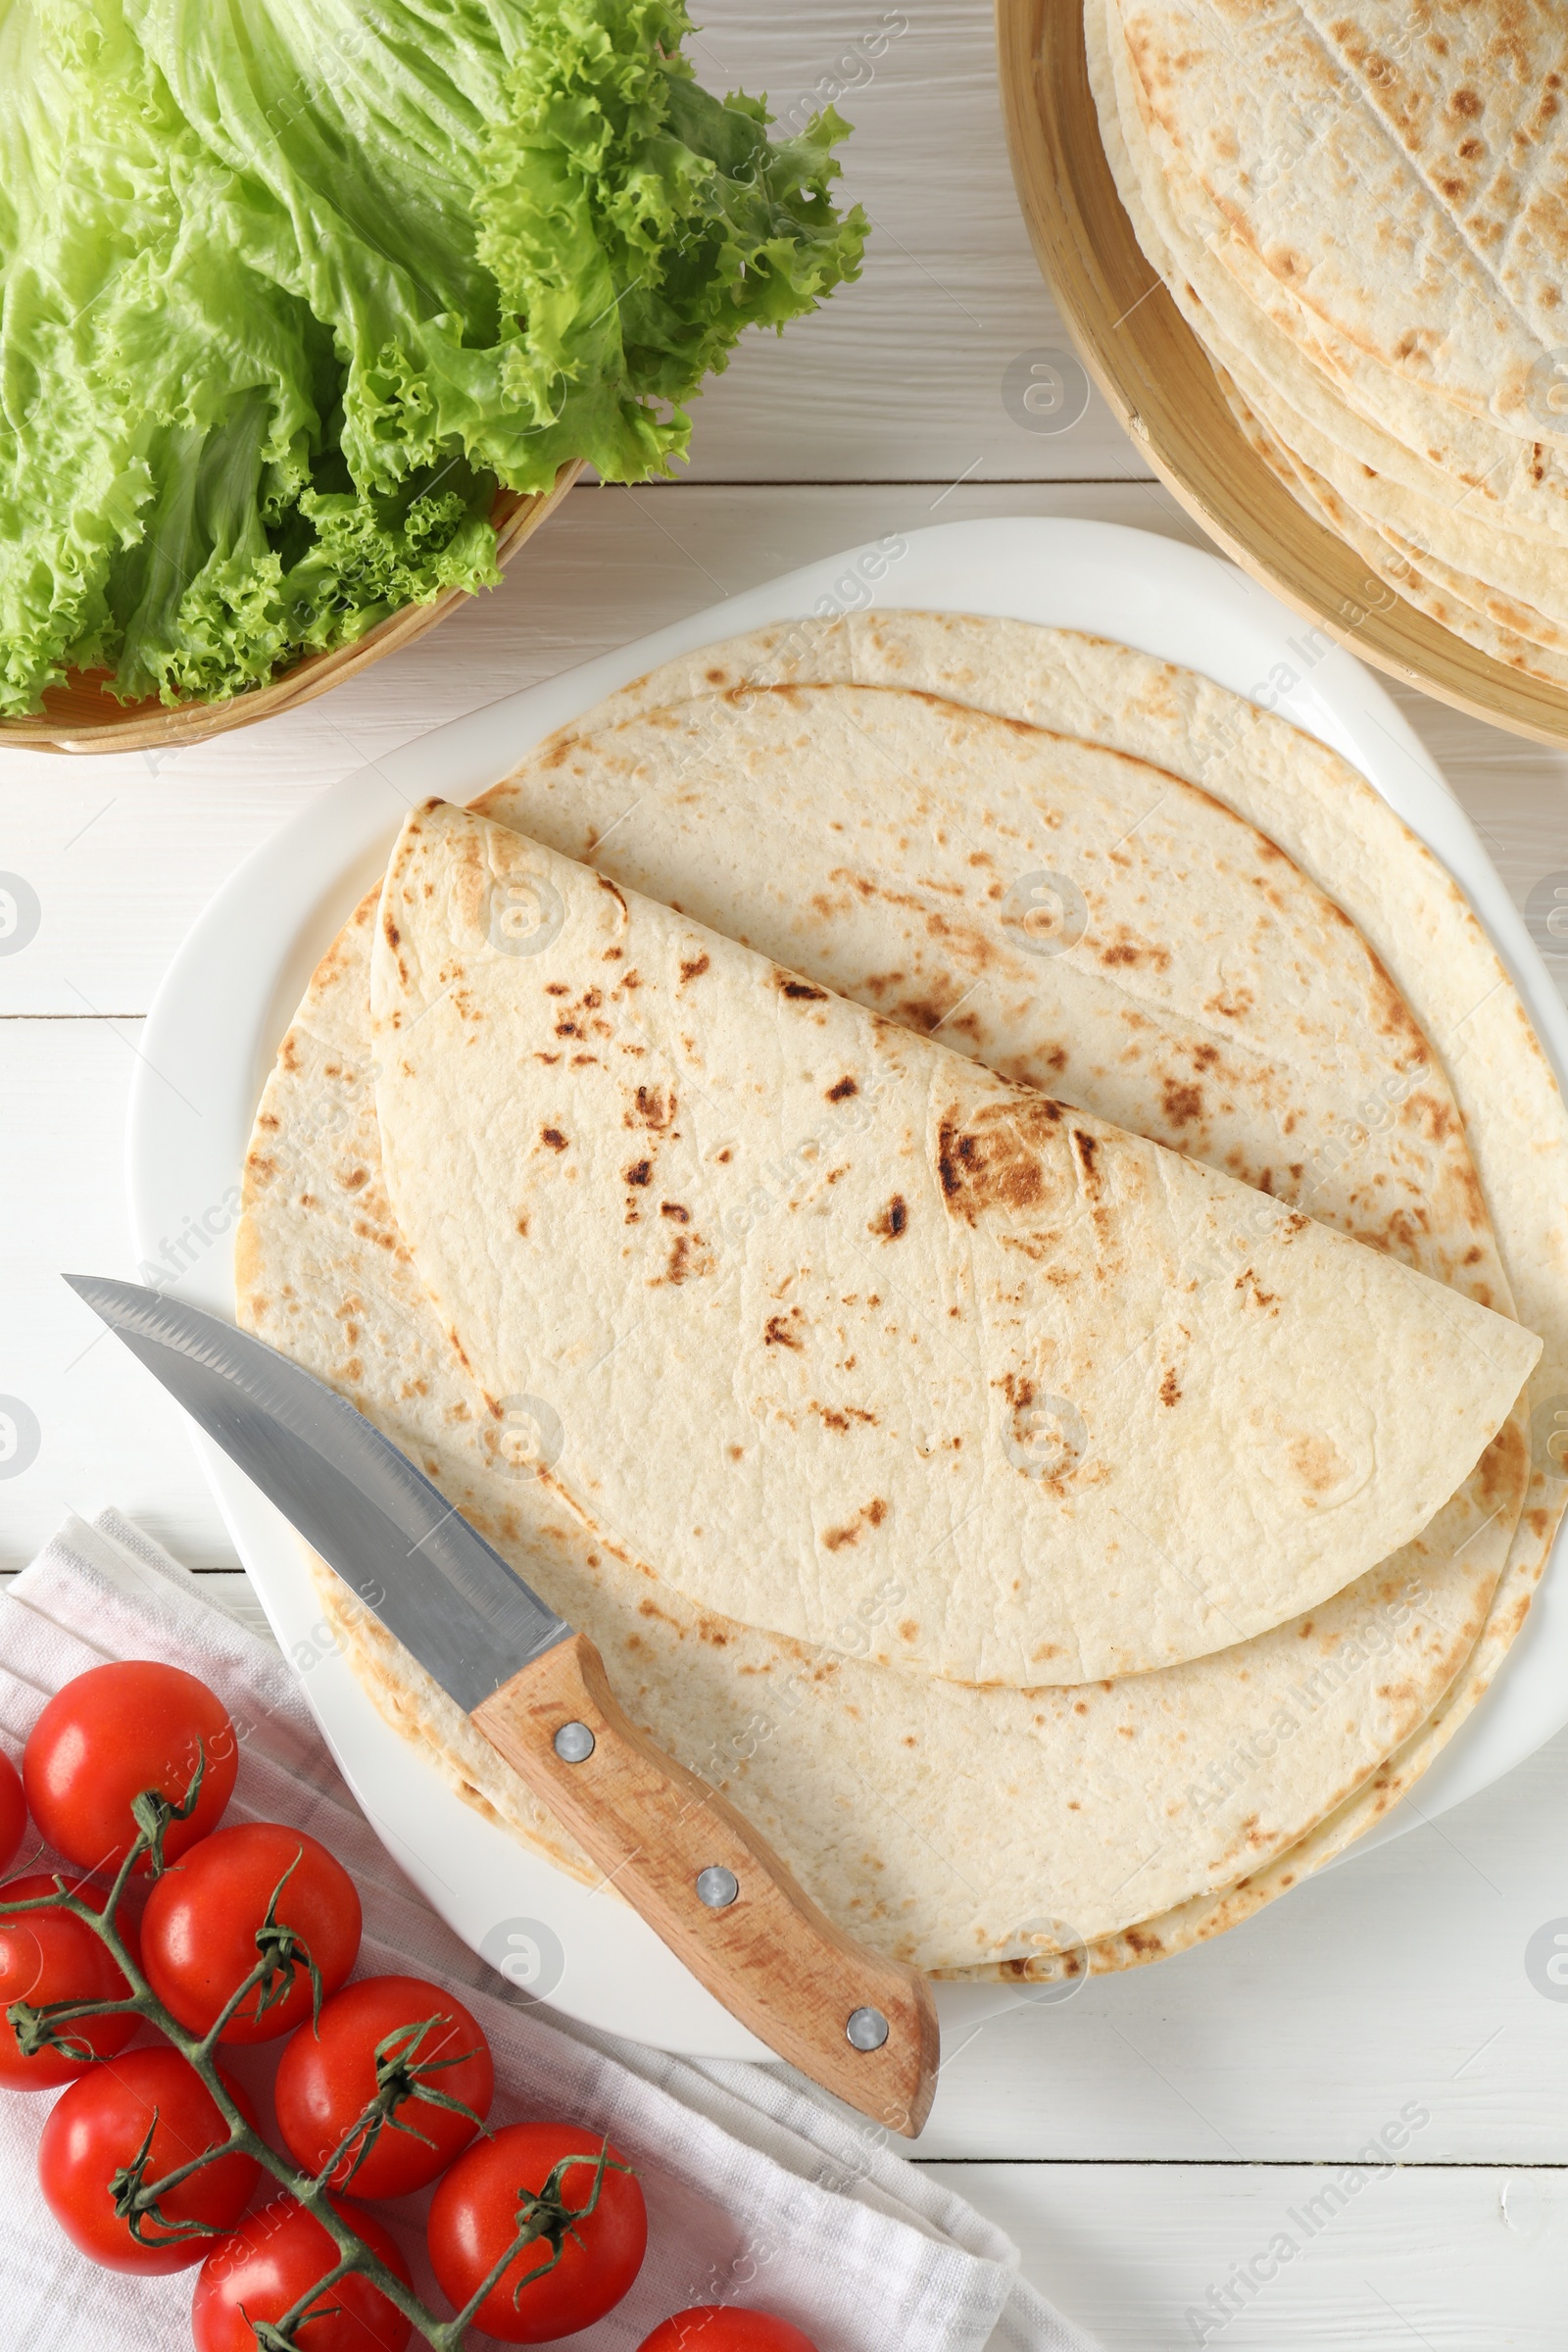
326, 2078
273, 2259
473, 2219
199, 1930
721, 2328
45, 1956
99, 2124
109, 1735
12, 1812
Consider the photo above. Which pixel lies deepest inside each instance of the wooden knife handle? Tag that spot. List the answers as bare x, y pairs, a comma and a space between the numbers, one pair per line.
773, 1959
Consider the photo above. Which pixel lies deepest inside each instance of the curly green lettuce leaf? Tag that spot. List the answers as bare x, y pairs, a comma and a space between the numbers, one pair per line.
636, 227
291, 286
127, 350
530, 230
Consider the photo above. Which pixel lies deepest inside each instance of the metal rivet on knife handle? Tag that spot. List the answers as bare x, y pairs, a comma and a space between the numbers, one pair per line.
861, 2024
574, 1743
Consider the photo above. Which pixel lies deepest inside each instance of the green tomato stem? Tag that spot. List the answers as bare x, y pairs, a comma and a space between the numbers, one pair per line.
541, 2214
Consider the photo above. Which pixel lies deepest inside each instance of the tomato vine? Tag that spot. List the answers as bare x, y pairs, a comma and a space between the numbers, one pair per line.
402, 2071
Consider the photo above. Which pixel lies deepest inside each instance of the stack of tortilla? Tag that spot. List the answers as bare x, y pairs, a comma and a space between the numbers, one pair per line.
1362, 213
683, 1290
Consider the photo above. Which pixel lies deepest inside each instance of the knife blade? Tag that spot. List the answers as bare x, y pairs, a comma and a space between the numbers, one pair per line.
862, 2025
468, 1618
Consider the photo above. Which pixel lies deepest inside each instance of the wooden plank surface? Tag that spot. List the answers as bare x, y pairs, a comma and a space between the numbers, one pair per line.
1280, 2257
905, 374
1141, 2142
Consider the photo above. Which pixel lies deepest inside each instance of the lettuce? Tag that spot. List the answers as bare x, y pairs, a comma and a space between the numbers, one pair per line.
291, 286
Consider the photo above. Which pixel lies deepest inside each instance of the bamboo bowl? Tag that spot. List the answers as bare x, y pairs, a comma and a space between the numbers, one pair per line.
1156, 375
80, 717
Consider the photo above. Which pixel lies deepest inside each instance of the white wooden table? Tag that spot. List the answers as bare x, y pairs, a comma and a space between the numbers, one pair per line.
1149, 2143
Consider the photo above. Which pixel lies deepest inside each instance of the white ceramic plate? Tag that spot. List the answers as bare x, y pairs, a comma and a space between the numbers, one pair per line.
228, 996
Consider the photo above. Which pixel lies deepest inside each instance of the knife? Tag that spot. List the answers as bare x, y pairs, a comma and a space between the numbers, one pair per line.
862, 2026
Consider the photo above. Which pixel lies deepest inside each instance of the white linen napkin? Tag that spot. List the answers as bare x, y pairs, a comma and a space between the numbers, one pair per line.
757, 2194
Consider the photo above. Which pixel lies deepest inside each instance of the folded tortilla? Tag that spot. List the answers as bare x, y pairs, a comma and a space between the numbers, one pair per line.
950, 1825
807, 1310
1413, 923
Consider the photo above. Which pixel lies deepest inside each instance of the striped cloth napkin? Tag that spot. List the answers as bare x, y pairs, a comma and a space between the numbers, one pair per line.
757, 2194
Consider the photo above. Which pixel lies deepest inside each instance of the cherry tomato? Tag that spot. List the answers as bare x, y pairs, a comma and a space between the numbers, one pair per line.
473, 2219
12, 1812
721, 2328
47, 1956
273, 2259
99, 2124
199, 1930
109, 1735
326, 2078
